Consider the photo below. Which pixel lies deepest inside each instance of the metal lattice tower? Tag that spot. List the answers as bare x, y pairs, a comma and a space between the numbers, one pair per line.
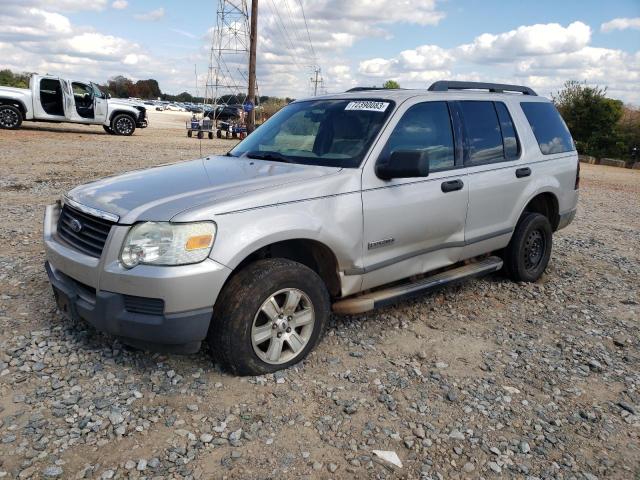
229, 54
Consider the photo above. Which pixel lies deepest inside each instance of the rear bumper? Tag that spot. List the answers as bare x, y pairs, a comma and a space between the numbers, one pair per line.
107, 312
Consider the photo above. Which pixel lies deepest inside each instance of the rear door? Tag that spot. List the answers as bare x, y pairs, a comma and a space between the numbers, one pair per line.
414, 225
48, 99
497, 173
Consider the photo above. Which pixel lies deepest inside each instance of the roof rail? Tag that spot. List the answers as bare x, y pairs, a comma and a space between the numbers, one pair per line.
446, 85
364, 89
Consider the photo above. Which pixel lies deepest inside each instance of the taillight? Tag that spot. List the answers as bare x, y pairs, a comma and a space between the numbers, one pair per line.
577, 186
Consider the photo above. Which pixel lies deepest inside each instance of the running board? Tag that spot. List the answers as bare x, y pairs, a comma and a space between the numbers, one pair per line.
380, 298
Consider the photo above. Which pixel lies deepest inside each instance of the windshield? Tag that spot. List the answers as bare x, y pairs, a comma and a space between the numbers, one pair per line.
332, 133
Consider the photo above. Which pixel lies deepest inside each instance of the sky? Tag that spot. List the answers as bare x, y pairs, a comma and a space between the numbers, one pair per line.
540, 44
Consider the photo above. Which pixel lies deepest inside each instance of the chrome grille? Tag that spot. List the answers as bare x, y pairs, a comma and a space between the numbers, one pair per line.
83, 232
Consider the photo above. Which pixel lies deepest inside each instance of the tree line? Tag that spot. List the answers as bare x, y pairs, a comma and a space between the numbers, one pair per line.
600, 126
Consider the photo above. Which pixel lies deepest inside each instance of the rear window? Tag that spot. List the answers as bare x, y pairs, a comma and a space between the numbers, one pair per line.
550, 130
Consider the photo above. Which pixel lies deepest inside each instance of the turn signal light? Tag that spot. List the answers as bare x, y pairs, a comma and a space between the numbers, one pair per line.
198, 241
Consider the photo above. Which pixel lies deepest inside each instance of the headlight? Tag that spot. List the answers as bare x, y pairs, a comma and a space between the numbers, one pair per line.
161, 243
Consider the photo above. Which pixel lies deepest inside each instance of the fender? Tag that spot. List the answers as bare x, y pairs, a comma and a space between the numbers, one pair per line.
4, 100
135, 113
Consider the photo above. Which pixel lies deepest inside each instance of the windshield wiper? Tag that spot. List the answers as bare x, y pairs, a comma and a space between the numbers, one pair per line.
275, 156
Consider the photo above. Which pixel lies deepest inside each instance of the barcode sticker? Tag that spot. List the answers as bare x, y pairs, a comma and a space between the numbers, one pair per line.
367, 105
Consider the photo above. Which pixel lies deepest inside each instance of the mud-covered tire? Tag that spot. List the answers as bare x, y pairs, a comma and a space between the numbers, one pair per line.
10, 117
108, 129
528, 253
237, 327
123, 124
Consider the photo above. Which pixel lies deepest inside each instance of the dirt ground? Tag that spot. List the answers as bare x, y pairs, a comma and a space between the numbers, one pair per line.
490, 379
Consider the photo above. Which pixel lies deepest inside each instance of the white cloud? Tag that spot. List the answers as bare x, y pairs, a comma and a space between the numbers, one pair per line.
151, 16
541, 56
120, 4
621, 24
527, 40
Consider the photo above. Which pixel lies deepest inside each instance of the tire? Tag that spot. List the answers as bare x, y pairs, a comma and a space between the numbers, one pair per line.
189, 133
10, 117
200, 134
241, 313
123, 124
219, 133
528, 253
210, 135
108, 130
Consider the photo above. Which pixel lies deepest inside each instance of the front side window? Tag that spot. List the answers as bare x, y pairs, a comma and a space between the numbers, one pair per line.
333, 133
425, 127
484, 136
548, 127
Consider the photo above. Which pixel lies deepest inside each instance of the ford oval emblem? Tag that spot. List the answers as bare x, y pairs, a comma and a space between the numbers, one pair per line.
75, 225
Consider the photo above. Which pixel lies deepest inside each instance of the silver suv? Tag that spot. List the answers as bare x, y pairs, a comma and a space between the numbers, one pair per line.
343, 202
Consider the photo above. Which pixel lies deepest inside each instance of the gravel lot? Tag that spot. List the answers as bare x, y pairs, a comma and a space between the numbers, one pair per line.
489, 379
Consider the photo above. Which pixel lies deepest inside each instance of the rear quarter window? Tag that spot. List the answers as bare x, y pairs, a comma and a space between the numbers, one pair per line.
548, 127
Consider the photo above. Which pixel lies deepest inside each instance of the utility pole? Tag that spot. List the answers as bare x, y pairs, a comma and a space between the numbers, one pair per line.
316, 81
253, 43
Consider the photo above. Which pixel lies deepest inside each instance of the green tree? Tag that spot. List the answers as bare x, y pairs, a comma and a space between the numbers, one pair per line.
390, 84
592, 118
10, 79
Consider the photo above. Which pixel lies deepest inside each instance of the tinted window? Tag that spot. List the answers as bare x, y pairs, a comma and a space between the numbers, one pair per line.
483, 132
509, 137
425, 127
550, 130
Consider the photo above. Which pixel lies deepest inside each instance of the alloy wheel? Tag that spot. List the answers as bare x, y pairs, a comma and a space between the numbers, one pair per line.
8, 118
283, 326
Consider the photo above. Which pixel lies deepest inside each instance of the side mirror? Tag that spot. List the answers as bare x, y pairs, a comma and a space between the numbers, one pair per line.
403, 164
108, 95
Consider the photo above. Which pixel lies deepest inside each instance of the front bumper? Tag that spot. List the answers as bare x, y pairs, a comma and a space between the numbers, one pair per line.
97, 290
107, 312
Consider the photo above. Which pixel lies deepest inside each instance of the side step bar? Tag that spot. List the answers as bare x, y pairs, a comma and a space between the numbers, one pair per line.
379, 298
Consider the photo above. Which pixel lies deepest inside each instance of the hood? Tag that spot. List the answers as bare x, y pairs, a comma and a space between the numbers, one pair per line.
125, 102
160, 193
21, 91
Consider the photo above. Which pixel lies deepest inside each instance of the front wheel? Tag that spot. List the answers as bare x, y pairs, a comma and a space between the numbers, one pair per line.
268, 317
10, 117
123, 124
528, 253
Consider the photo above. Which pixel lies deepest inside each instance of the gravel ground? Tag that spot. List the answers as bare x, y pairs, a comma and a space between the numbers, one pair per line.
490, 379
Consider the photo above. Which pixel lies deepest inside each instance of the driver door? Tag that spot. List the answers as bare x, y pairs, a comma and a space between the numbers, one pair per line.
415, 225
99, 104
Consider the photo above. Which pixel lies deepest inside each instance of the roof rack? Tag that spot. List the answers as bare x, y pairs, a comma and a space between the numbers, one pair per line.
446, 85
364, 89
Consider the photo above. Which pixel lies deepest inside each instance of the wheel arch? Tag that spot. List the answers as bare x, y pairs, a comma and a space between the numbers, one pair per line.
16, 103
311, 253
545, 203
119, 111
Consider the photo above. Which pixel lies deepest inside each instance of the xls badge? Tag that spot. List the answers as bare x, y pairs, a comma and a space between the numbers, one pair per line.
381, 243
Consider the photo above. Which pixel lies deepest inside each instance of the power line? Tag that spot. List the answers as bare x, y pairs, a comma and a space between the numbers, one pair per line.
308, 34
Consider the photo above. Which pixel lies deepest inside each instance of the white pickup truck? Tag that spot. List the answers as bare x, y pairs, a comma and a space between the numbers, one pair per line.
54, 99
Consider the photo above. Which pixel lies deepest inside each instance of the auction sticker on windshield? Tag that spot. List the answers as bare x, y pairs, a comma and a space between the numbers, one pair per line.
367, 105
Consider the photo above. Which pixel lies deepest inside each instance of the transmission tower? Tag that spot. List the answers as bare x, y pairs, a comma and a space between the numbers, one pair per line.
229, 54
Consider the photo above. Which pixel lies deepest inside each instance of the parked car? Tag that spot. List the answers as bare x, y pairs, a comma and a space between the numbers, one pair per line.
224, 113
55, 99
346, 202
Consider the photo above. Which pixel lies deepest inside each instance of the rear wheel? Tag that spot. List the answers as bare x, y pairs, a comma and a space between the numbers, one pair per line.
10, 117
269, 316
123, 124
528, 253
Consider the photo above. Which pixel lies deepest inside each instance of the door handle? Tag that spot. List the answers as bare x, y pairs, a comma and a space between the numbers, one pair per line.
523, 172
451, 186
